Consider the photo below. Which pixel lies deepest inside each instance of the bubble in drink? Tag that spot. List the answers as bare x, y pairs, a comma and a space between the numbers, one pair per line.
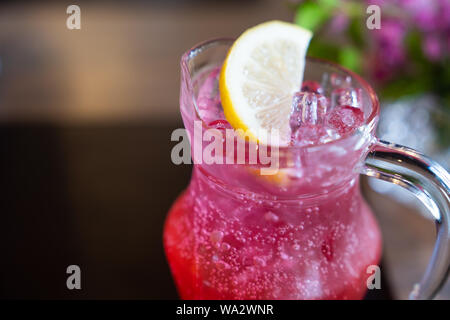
216, 236
270, 216
345, 119
346, 96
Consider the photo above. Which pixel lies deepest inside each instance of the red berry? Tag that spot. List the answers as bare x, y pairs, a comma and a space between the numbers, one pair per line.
220, 124
345, 119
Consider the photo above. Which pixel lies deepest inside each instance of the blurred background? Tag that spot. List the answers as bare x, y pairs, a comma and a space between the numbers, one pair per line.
86, 117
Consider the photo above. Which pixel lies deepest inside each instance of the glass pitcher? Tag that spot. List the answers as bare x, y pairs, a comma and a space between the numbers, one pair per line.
305, 232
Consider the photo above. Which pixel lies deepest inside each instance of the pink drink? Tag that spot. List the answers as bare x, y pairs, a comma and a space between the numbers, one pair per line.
305, 233
224, 248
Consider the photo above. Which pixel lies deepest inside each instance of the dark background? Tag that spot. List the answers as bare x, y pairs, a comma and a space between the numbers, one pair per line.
85, 170
107, 218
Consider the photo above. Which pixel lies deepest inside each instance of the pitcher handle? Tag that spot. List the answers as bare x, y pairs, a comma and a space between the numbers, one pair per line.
429, 182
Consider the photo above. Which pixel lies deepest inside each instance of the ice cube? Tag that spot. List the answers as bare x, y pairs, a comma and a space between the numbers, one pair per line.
346, 96
312, 86
338, 81
307, 108
325, 78
322, 107
308, 134
344, 119
304, 110
307, 118
208, 98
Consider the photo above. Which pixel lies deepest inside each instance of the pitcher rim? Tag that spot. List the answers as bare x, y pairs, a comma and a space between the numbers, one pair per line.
369, 123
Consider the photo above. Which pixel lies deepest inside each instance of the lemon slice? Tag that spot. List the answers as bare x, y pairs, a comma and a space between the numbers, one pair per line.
262, 71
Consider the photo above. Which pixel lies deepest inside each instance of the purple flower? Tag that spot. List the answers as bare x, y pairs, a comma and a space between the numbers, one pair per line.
430, 17
389, 41
424, 13
447, 44
389, 48
444, 18
376, 2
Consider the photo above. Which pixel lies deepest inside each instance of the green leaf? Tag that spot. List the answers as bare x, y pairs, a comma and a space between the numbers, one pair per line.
311, 15
356, 32
413, 43
350, 57
442, 122
323, 50
354, 8
404, 86
442, 81
328, 3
